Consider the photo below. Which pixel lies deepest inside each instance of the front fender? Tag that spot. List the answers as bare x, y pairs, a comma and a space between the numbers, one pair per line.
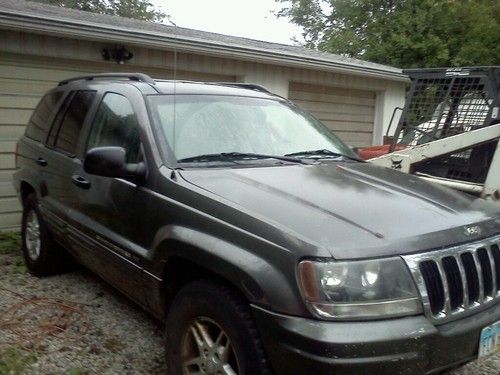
265, 274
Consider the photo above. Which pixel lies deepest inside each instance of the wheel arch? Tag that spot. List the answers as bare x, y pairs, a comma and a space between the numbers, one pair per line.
186, 254
186, 262
25, 190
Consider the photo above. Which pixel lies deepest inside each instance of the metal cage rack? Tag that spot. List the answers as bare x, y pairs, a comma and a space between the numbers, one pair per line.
445, 102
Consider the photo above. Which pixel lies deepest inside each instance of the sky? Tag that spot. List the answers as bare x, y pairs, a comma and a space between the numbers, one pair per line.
245, 18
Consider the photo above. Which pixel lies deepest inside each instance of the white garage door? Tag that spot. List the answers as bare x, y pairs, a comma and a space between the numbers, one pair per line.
349, 113
22, 84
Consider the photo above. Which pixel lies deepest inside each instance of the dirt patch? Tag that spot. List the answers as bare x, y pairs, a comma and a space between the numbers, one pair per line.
71, 324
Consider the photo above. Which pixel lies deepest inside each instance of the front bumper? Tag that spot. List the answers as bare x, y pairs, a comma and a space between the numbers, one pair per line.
410, 345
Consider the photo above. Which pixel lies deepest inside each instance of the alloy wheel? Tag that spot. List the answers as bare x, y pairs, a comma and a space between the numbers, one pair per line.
206, 349
32, 235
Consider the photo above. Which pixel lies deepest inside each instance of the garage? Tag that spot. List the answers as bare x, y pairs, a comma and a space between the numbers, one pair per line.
42, 45
350, 113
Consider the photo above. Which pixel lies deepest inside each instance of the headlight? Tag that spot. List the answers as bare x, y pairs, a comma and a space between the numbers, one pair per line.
364, 289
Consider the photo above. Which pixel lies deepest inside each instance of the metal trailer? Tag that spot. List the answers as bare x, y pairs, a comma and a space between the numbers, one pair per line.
449, 130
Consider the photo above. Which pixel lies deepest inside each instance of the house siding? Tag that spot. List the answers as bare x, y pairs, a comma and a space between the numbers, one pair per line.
31, 64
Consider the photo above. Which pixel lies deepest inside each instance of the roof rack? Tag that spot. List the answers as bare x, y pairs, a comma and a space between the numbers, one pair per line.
139, 77
249, 86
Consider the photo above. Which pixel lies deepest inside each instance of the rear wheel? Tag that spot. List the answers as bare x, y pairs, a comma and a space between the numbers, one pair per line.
210, 331
32, 240
42, 255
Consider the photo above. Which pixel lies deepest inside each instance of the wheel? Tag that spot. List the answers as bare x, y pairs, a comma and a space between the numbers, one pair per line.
210, 330
42, 255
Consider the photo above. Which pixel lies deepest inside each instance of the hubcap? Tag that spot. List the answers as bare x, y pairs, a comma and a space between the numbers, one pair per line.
206, 349
32, 235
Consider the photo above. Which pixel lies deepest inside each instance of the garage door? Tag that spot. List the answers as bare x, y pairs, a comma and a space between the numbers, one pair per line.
21, 87
349, 113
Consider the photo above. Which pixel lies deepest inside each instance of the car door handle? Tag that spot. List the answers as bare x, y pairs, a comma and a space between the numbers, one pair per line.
80, 181
41, 161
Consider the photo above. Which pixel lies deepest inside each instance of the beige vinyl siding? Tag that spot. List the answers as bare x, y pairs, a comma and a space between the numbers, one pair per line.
21, 88
350, 113
22, 84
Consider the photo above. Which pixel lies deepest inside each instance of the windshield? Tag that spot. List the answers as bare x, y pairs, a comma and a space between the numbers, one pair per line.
209, 124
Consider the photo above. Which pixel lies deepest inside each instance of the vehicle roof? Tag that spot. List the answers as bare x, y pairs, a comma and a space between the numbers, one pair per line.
210, 88
170, 87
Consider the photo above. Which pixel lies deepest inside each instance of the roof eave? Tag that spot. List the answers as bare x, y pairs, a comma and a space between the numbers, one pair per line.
99, 32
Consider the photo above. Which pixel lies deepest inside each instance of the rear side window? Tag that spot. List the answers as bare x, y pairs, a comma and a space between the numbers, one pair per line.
67, 136
39, 123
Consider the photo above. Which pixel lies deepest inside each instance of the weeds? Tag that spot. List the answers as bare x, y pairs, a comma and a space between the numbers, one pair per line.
10, 243
10, 249
78, 371
13, 361
19, 266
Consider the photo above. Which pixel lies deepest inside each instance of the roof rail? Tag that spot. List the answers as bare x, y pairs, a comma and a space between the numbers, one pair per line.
139, 77
249, 86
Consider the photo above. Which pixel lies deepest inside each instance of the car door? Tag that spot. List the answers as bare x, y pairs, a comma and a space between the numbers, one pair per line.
112, 210
60, 160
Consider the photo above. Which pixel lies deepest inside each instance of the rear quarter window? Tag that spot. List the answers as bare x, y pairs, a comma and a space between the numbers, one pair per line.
41, 120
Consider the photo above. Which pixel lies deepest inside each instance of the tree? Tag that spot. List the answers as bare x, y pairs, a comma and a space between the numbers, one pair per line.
404, 33
139, 9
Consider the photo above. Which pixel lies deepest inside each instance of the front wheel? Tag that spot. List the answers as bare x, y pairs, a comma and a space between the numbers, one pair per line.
210, 331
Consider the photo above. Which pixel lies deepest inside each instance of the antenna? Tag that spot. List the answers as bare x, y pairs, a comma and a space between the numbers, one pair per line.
169, 19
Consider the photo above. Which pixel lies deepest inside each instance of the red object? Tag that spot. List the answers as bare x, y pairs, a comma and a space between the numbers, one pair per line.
376, 151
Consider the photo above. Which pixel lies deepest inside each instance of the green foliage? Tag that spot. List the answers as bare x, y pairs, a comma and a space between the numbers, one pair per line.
14, 361
10, 247
10, 243
78, 371
96, 6
18, 266
404, 33
139, 9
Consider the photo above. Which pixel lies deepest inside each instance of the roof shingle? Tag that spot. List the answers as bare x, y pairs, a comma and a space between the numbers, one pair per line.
19, 8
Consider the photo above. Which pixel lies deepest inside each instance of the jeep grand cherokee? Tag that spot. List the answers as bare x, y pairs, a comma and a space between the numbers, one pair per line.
257, 235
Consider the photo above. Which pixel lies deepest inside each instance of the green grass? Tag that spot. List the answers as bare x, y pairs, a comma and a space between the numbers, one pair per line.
78, 371
19, 265
14, 361
10, 248
10, 243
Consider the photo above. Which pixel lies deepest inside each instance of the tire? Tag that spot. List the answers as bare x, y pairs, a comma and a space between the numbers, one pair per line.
206, 307
42, 255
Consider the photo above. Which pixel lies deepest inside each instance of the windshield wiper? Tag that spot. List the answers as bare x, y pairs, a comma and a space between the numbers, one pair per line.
323, 153
233, 156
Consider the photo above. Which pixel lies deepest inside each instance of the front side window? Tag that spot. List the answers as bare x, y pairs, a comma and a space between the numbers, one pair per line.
72, 122
209, 124
115, 124
40, 121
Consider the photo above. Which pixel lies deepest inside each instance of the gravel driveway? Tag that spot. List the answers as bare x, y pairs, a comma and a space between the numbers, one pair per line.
76, 324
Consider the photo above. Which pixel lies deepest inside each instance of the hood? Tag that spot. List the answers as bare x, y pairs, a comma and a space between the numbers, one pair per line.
353, 210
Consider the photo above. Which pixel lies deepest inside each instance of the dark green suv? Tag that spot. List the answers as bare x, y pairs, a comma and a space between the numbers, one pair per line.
261, 239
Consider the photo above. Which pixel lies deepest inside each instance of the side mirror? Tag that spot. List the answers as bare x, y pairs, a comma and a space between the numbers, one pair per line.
111, 162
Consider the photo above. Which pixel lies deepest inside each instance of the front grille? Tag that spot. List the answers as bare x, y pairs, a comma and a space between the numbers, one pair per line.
433, 284
457, 281
455, 286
